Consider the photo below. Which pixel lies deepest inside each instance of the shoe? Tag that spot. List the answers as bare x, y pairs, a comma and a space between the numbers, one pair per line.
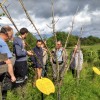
20, 80
26, 77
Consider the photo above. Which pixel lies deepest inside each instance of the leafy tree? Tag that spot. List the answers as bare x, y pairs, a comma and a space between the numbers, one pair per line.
90, 40
31, 41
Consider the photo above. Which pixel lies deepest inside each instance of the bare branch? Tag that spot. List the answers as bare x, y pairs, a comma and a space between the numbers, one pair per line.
56, 21
9, 17
70, 31
53, 21
28, 16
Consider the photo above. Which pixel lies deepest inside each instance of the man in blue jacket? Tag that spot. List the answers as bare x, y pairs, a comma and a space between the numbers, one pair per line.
6, 33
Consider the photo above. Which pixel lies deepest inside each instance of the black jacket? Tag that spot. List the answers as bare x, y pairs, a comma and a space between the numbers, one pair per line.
38, 57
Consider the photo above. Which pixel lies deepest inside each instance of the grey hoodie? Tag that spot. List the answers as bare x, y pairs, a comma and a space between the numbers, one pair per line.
19, 51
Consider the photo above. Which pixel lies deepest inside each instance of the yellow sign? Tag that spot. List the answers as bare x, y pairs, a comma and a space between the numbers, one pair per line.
96, 70
45, 85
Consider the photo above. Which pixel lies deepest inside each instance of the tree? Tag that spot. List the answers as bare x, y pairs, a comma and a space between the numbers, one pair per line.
31, 40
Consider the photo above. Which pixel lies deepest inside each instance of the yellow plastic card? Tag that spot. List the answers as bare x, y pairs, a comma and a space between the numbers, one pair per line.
45, 85
96, 70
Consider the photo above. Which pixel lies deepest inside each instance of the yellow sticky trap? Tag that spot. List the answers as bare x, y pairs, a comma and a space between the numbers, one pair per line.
45, 85
96, 70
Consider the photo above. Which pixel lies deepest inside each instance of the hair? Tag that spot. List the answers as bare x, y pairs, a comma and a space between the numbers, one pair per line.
59, 41
5, 29
38, 41
23, 31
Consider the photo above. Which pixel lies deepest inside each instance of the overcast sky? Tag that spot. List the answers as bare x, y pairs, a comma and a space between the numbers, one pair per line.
87, 16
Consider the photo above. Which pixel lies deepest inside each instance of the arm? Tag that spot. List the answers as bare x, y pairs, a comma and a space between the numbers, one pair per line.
10, 70
81, 57
18, 48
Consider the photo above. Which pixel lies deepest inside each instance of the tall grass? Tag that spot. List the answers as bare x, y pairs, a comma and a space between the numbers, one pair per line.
88, 88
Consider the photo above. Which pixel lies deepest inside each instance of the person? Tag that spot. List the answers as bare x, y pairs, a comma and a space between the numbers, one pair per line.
21, 68
60, 56
6, 34
76, 61
45, 58
37, 59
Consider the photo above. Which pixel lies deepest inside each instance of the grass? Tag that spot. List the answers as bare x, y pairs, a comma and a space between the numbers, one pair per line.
88, 88
92, 47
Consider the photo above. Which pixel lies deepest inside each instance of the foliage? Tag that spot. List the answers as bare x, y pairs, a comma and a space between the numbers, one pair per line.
72, 40
10, 45
88, 88
99, 54
62, 36
90, 40
90, 56
31, 41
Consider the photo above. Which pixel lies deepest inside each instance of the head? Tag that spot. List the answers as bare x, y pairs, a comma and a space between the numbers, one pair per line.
58, 44
43, 44
38, 43
23, 32
6, 32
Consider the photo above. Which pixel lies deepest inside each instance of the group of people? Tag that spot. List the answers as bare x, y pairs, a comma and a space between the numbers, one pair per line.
38, 55
20, 68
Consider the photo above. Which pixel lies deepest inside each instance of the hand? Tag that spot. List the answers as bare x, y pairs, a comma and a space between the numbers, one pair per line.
29, 53
7, 61
13, 78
